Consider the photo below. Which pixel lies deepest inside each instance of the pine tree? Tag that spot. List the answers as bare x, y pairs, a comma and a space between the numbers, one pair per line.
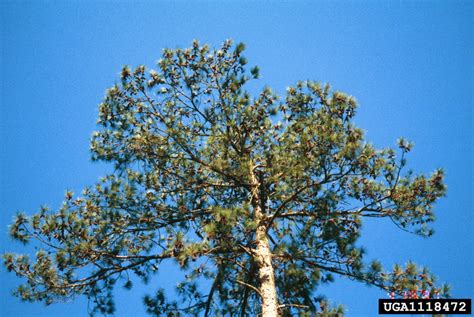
262, 196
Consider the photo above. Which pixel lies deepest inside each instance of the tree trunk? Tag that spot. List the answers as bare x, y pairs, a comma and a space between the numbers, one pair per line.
263, 256
265, 274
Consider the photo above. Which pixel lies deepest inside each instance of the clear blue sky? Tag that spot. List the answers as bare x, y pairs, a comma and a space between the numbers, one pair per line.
409, 64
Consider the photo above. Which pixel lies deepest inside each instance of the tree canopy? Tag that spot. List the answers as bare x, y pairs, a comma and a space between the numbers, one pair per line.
259, 199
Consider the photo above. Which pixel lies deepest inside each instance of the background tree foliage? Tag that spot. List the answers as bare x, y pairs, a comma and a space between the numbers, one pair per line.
202, 168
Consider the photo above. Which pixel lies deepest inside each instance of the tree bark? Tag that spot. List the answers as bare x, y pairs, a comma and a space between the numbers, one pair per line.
265, 274
263, 256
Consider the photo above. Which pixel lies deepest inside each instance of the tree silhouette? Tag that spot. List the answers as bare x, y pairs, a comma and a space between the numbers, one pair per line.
264, 197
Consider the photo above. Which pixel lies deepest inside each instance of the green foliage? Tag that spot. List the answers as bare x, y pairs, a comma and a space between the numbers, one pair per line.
186, 140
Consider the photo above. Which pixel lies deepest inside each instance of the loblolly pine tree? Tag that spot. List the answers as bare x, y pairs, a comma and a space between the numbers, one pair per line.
258, 199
